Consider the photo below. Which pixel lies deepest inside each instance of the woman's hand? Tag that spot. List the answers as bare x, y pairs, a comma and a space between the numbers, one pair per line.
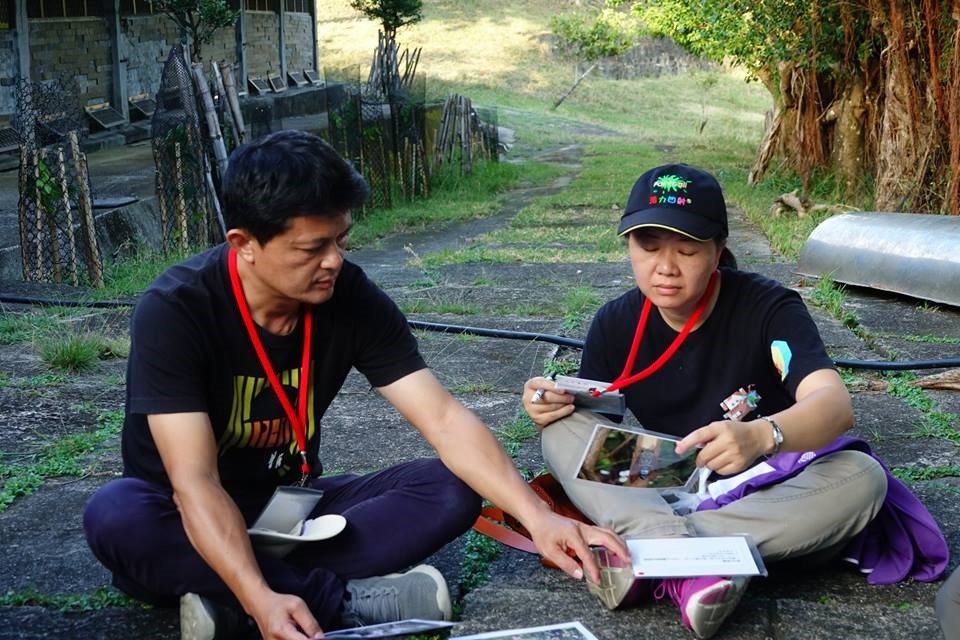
544, 402
729, 446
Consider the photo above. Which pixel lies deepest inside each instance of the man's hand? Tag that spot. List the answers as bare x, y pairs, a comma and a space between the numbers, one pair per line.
554, 535
728, 446
285, 617
546, 403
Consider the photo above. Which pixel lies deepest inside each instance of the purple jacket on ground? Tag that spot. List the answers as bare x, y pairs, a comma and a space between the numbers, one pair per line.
902, 541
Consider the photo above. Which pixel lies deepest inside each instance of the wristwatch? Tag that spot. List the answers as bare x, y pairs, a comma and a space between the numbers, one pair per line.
777, 436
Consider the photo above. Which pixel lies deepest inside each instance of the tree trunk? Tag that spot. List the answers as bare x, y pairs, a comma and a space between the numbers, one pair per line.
905, 135
848, 151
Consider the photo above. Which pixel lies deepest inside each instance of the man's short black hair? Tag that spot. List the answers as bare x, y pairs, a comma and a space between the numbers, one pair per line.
283, 175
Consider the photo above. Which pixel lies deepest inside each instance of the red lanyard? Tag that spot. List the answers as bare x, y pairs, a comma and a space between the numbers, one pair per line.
625, 379
298, 419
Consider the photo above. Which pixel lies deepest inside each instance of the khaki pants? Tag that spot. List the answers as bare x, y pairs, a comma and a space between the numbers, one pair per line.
815, 512
948, 606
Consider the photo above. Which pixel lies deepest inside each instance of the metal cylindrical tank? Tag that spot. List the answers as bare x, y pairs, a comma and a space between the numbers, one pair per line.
909, 253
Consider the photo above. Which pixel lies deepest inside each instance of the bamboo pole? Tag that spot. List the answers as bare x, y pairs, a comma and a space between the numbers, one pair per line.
85, 203
210, 112
181, 199
38, 217
225, 103
68, 211
164, 210
24, 212
230, 86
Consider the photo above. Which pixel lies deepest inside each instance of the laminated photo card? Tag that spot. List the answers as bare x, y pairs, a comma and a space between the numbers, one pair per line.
629, 457
636, 458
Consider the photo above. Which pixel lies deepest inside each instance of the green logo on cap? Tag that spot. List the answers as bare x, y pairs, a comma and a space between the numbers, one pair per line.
671, 183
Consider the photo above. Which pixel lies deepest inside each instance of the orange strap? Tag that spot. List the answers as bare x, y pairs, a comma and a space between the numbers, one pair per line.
490, 523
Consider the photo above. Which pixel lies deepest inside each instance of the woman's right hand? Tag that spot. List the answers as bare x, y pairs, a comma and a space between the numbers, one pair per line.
544, 402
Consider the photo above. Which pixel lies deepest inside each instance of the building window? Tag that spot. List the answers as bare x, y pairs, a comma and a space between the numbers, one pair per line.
262, 5
298, 6
7, 14
63, 8
137, 7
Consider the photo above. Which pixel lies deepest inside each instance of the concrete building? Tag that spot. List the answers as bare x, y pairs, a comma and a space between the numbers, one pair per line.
115, 49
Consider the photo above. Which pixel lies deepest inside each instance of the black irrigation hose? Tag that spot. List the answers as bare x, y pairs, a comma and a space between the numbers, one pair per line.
573, 343
879, 365
47, 302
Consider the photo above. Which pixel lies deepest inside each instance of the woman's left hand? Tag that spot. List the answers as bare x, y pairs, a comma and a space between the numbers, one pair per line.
728, 446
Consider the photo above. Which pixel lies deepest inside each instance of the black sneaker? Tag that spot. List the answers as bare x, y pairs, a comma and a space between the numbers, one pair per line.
418, 593
204, 619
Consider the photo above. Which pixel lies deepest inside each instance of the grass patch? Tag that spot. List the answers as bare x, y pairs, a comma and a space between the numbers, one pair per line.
933, 423
99, 598
73, 353
577, 304
561, 367
423, 305
452, 199
133, 274
831, 296
36, 325
481, 388
57, 458
520, 430
916, 474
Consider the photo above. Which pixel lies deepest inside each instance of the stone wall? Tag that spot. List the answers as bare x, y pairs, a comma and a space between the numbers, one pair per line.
147, 41
651, 58
223, 47
262, 52
9, 70
73, 48
298, 35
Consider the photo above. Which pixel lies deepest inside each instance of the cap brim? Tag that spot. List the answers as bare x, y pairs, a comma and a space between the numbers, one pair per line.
671, 219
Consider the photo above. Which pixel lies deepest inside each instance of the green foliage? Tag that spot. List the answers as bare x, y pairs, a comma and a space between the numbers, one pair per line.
391, 14
199, 18
604, 34
478, 552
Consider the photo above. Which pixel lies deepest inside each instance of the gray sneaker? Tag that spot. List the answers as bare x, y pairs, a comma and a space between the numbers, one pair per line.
421, 593
203, 619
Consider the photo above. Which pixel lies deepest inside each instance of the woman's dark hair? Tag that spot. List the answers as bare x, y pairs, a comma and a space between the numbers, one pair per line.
727, 259
284, 175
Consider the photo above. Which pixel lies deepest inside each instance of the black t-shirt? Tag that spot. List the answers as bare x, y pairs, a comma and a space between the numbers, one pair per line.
190, 352
759, 333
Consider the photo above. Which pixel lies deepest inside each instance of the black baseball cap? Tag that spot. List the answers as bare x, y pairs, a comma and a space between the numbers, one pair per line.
679, 198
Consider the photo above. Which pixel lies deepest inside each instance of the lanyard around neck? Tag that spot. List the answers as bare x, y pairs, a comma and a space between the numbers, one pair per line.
625, 379
298, 419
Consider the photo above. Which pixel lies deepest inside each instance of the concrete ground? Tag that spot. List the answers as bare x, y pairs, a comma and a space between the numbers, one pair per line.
45, 555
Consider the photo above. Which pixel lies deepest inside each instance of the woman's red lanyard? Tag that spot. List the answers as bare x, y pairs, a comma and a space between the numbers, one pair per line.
625, 379
298, 419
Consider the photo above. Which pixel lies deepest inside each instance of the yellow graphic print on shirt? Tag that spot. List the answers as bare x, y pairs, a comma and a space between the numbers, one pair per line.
257, 419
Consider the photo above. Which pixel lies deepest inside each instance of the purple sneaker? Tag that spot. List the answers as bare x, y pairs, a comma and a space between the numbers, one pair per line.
704, 602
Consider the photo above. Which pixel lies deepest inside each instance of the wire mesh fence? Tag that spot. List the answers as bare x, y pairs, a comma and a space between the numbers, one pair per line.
186, 217
58, 241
